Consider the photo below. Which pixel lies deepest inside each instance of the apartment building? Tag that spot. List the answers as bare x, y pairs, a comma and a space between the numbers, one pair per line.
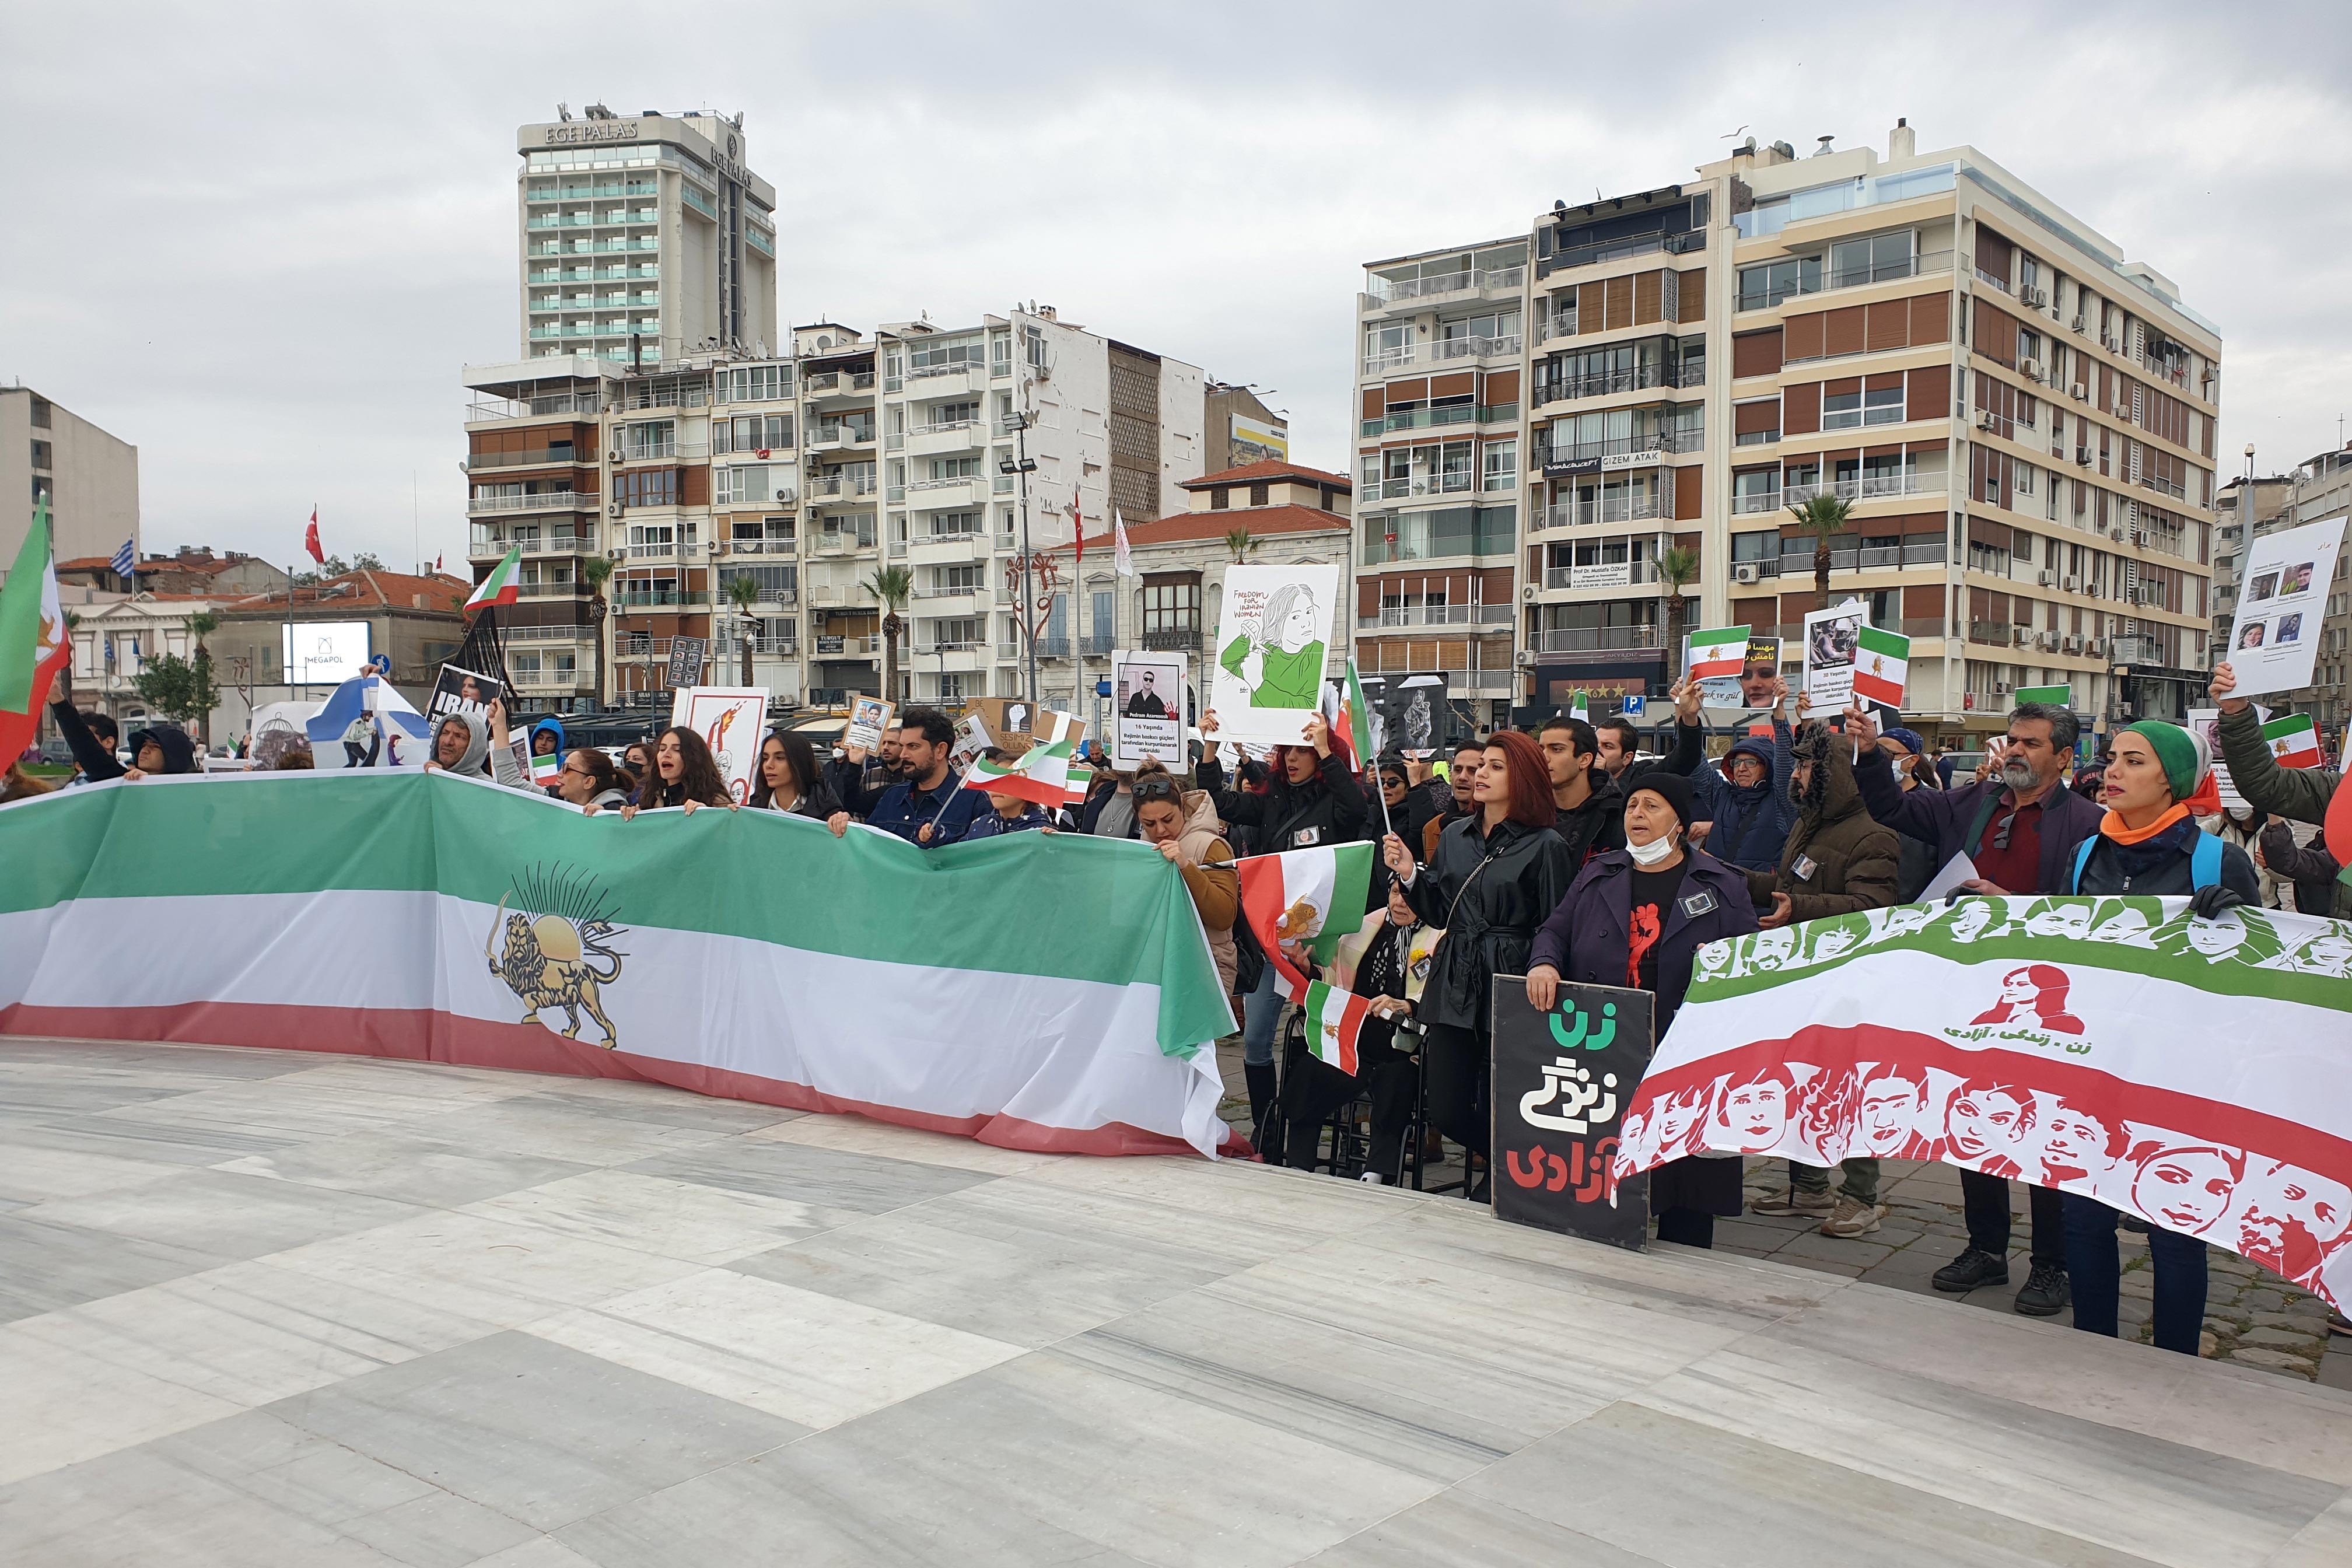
644, 236
89, 479
1241, 429
803, 473
2021, 421
2318, 489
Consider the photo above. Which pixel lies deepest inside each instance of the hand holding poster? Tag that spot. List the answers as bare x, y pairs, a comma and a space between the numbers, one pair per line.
2187, 1070
1833, 642
2275, 641
1562, 1081
869, 717
730, 721
1273, 631
460, 690
1733, 669
1148, 708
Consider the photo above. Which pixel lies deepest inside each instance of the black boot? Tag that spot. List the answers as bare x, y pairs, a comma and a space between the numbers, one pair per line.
1266, 1113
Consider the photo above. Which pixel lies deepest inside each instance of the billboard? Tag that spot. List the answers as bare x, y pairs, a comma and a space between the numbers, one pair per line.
323, 653
1271, 440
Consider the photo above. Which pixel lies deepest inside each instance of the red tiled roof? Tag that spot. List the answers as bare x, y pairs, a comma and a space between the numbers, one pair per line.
1193, 527
1271, 468
376, 590
87, 564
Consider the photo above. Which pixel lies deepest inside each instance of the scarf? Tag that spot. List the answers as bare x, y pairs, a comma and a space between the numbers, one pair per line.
2112, 825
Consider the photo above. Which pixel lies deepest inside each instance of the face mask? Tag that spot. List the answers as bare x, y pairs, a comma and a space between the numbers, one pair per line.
1648, 855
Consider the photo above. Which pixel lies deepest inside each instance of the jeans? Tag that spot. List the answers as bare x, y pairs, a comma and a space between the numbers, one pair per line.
1984, 1201
1457, 1069
1261, 1011
1860, 1178
2095, 1270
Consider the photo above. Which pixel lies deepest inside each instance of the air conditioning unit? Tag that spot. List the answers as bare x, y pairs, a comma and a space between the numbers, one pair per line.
2082, 394
2083, 455
2001, 688
2074, 645
2044, 579
2030, 369
2095, 649
1746, 572
2037, 297
1529, 592
2072, 586
614, 456
614, 509
2017, 635
617, 554
2082, 325
1527, 659
1987, 419
2116, 534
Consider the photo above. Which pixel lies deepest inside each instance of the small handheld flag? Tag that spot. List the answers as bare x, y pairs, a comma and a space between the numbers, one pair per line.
502, 587
2294, 741
1719, 653
546, 770
1882, 664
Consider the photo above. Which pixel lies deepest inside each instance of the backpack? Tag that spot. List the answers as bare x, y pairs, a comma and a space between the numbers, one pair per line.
2204, 861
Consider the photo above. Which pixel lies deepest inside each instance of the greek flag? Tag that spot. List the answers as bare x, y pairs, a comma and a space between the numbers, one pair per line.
123, 560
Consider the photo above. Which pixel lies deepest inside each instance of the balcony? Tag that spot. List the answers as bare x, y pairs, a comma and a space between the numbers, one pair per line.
834, 487
1188, 641
592, 193
1436, 616
1613, 575
1590, 639
550, 590
1490, 682
947, 435
1749, 503
837, 384
1462, 482
1824, 279
758, 547
935, 549
776, 646
547, 634
556, 679
1875, 487
1639, 450
633, 646
629, 603
1604, 509
1798, 562
935, 495
545, 501
673, 550
1434, 418
825, 438
1442, 351
1636, 378
1625, 249
950, 591
552, 457
1382, 293
947, 380
533, 409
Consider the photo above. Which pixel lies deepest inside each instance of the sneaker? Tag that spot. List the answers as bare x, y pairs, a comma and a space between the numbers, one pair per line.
1796, 1201
1970, 1269
1852, 1218
2045, 1293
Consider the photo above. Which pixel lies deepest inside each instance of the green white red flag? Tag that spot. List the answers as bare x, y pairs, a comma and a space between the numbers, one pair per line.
1299, 903
546, 770
2294, 741
1334, 1020
1719, 653
33, 644
1881, 665
502, 587
1040, 774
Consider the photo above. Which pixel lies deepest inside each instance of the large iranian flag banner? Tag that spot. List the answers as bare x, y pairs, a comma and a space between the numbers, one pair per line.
2197, 1073
1033, 991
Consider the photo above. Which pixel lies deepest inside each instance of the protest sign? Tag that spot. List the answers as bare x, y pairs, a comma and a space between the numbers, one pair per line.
1562, 1081
972, 738
1273, 629
1882, 666
1411, 710
457, 691
1833, 642
869, 717
2207, 723
686, 661
730, 721
2275, 639
2185, 1070
1747, 684
366, 713
1147, 708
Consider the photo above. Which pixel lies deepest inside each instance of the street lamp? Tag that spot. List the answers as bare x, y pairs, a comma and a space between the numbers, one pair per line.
1022, 464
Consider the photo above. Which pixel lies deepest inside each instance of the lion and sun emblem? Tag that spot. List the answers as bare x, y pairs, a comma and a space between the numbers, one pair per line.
558, 940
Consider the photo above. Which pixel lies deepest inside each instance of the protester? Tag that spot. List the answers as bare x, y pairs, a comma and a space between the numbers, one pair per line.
2020, 829
1587, 806
2243, 826
1636, 917
1906, 756
1395, 784
1746, 798
1837, 861
1309, 798
787, 778
1494, 878
1006, 812
2306, 869
1459, 804
461, 744
637, 764
1183, 824
1620, 739
91, 737
685, 775
1371, 964
162, 749
547, 740
589, 780
928, 806
18, 784
1109, 808
1424, 796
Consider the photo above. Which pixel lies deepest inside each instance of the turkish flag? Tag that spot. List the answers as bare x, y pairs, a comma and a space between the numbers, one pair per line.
311, 539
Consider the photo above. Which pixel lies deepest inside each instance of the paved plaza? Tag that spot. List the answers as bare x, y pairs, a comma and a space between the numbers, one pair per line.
262, 1309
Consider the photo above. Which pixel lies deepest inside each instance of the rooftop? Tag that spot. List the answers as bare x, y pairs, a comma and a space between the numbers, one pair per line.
1201, 527
1269, 468
368, 590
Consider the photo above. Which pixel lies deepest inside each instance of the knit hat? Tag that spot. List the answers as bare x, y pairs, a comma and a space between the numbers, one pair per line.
1672, 788
2187, 761
1908, 738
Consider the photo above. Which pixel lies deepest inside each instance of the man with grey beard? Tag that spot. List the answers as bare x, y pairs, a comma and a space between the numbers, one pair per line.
2021, 829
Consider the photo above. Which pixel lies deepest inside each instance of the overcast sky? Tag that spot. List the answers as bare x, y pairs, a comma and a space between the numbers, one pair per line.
260, 241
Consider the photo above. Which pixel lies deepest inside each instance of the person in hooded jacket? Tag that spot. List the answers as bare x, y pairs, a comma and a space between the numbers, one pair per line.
162, 749
1637, 917
1588, 807
589, 780
547, 740
2306, 871
1494, 878
1837, 861
1746, 799
461, 745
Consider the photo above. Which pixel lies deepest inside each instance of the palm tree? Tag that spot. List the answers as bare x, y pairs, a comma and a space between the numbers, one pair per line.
742, 593
891, 586
1242, 543
1823, 516
596, 571
1677, 569
202, 624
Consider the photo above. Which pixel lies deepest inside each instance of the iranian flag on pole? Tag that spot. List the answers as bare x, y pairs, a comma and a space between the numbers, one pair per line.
33, 642
1040, 773
1882, 664
1354, 732
502, 587
1302, 902
1719, 652
2294, 741
1334, 1019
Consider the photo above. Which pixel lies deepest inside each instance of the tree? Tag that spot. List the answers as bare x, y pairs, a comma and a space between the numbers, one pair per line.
202, 624
176, 689
366, 561
333, 567
1824, 518
596, 571
1677, 569
743, 593
1242, 543
891, 586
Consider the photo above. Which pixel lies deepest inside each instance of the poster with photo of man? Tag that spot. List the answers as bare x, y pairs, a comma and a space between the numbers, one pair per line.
460, 690
2287, 576
1833, 644
1146, 693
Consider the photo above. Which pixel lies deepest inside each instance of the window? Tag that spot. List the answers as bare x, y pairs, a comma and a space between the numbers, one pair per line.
937, 357
1840, 411
41, 455
40, 413
1502, 465
1388, 344
1761, 288
646, 486
944, 469
1220, 498
1172, 604
1756, 490
1874, 259
955, 524
1454, 459
1882, 405
759, 384
777, 584
951, 686
43, 489
950, 415
962, 579
651, 439
1103, 615
961, 631
1260, 494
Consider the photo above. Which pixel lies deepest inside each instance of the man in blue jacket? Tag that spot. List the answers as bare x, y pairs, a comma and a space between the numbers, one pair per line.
929, 805
1746, 801
2020, 828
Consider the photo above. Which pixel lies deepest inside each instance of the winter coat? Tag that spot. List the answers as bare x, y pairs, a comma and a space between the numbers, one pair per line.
474, 762
561, 745
1690, 750
2299, 794
1916, 865
1588, 937
1206, 861
1943, 817
1090, 811
2159, 868
1596, 827
2245, 835
2308, 870
611, 800
1837, 859
992, 824
1758, 816
179, 751
1329, 808
90, 753
815, 802
1488, 894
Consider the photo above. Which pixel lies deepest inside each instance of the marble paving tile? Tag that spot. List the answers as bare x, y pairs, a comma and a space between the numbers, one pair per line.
1688, 1496
661, 1104
540, 1552
30, 1174
861, 1135
1451, 1528
540, 1433
2138, 1495
2325, 1543
534, 1125
811, 1359
686, 1220
482, 1269
2262, 1419
222, 1213
63, 1407
323, 1102
823, 1178
1021, 1264
228, 1062
48, 1094
1236, 1190
404, 1166
159, 1142
45, 1265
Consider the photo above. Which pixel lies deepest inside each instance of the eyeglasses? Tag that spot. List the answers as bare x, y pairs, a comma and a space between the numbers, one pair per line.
579, 773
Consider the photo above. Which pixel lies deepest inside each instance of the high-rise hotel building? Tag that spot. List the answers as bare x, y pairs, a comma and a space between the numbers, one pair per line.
2021, 420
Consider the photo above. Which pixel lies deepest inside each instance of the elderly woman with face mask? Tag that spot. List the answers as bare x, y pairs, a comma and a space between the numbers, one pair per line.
1637, 917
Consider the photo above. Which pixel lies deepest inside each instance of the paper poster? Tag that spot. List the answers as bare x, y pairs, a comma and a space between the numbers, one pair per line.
1274, 634
1411, 710
729, 719
2207, 723
458, 691
1562, 1083
869, 717
2286, 581
1832, 640
686, 660
972, 738
1751, 689
1147, 694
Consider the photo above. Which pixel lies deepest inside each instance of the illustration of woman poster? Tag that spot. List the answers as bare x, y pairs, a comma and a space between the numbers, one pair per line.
1273, 633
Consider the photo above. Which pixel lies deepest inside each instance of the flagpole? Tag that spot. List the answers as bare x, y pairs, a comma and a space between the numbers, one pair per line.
964, 781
